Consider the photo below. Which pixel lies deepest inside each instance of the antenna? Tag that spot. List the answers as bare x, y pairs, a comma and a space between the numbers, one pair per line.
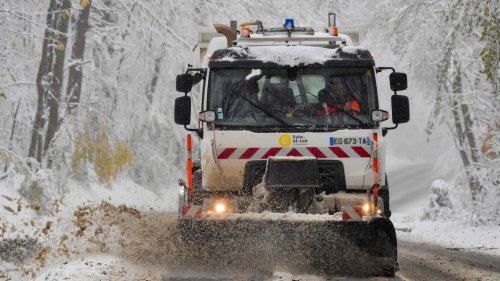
334, 19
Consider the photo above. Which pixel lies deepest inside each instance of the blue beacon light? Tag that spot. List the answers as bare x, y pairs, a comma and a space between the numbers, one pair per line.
289, 24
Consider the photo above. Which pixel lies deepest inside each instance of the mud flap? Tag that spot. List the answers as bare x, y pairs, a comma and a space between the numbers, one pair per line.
359, 248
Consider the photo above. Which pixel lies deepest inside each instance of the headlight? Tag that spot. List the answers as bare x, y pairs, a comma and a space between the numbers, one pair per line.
220, 208
366, 208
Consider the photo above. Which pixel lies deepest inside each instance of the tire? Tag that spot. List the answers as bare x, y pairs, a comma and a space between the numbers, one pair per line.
387, 263
385, 247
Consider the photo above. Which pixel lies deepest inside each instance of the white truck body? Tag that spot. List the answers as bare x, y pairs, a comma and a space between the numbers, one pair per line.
224, 172
224, 154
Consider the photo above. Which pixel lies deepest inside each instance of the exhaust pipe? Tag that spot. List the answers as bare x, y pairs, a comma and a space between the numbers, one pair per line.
227, 31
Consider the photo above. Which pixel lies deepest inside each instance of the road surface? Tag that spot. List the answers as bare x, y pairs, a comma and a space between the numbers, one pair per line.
425, 262
417, 262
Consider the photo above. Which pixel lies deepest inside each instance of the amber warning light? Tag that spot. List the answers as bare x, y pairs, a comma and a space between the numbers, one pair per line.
245, 32
334, 31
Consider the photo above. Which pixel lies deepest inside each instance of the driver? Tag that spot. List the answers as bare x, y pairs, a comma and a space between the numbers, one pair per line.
333, 105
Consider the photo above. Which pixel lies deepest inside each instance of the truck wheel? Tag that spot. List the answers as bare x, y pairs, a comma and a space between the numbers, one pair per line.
387, 263
385, 247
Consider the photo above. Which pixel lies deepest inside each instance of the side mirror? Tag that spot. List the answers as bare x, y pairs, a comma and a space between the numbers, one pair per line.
398, 81
182, 110
379, 115
207, 116
400, 109
184, 83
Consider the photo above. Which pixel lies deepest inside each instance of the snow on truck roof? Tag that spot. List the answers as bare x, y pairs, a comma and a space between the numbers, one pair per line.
290, 56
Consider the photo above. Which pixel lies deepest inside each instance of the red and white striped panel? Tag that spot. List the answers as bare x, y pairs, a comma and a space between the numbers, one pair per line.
191, 211
253, 153
352, 213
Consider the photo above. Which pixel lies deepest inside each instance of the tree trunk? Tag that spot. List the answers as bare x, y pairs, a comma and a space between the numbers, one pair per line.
463, 124
74, 89
50, 78
474, 151
154, 80
12, 132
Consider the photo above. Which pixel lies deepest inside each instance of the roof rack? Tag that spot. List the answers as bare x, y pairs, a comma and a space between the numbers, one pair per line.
284, 38
319, 38
284, 31
286, 34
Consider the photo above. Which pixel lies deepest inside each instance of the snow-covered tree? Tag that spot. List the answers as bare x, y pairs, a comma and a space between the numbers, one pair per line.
121, 58
451, 48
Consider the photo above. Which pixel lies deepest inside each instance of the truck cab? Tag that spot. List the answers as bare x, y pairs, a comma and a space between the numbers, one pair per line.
275, 95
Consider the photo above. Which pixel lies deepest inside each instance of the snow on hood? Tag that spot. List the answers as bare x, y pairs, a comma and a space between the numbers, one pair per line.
292, 55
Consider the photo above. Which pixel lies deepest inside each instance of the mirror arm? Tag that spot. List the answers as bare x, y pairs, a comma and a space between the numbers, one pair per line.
202, 70
199, 133
380, 69
377, 70
185, 126
386, 129
190, 129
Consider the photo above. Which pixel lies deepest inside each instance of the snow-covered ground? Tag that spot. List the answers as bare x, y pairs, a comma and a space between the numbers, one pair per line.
57, 243
98, 267
459, 235
410, 184
124, 231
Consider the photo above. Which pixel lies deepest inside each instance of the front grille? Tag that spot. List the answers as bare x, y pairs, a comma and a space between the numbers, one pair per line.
331, 174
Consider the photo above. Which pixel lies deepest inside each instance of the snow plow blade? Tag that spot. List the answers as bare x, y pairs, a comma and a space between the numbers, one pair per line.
350, 247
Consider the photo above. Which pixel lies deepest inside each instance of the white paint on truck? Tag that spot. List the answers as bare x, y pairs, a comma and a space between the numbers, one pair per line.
225, 154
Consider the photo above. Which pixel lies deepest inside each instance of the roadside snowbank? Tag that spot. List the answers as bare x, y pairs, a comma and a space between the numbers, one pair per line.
34, 241
443, 221
459, 235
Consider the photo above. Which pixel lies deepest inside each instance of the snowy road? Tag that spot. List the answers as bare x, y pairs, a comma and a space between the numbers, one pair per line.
120, 243
149, 249
417, 262
425, 262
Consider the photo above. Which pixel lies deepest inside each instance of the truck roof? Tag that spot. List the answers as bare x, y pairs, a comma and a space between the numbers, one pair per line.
290, 56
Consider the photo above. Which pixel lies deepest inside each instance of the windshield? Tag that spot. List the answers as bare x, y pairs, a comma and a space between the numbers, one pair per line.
323, 98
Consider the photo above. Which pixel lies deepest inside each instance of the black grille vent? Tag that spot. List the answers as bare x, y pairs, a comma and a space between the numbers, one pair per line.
331, 173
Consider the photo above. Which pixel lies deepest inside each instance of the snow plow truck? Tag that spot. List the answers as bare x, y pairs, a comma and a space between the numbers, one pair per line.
289, 142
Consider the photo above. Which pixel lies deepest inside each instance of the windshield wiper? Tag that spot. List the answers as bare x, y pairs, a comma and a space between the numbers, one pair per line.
269, 113
351, 116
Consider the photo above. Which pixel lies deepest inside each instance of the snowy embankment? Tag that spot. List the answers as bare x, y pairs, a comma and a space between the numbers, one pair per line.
457, 235
442, 222
84, 234
413, 187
